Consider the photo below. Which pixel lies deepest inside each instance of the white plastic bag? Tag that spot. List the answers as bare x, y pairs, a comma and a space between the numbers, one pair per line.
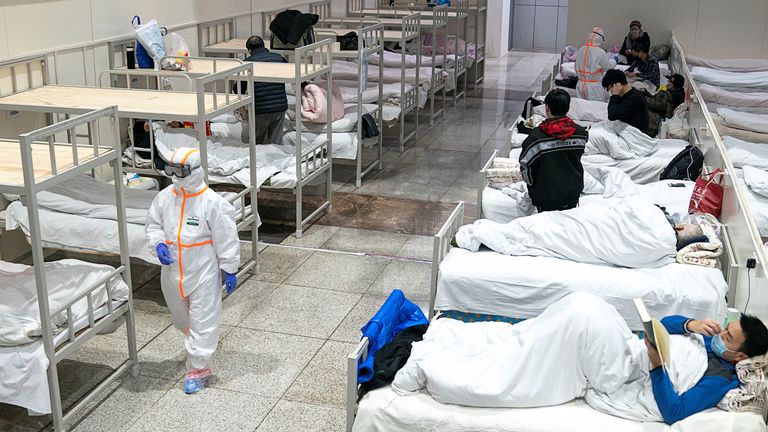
179, 48
150, 37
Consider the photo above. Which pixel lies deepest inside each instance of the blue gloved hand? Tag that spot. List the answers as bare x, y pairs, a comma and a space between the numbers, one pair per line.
230, 282
164, 254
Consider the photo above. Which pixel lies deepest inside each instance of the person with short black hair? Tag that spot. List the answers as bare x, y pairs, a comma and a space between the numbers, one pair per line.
550, 161
662, 105
645, 67
626, 104
270, 101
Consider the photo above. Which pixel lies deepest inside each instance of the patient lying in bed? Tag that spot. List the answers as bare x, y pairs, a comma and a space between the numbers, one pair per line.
581, 347
630, 233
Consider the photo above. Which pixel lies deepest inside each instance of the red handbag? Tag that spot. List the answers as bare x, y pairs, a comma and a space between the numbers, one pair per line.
707, 194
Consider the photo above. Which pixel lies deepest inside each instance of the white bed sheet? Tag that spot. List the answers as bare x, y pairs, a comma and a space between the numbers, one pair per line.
729, 65
395, 60
344, 70
383, 411
748, 80
344, 143
725, 97
522, 287
641, 170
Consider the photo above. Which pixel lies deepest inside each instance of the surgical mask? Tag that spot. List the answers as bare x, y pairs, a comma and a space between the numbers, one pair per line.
718, 346
635, 33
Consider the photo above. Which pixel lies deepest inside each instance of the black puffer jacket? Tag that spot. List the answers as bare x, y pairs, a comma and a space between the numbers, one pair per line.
268, 97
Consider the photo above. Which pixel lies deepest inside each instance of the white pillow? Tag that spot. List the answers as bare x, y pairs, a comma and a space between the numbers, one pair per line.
757, 180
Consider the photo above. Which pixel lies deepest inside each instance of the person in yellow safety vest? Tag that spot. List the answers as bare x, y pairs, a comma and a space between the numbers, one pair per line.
193, 233
591, 64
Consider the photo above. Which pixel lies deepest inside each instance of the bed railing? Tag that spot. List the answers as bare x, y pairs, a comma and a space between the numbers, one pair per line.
266, 19
213, 32
118, 52
321, 8
358, 355
441, 246
354, 6
25, 74
482, 182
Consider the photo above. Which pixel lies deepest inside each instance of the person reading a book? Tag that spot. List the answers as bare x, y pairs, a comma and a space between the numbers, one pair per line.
581, 347
739, 340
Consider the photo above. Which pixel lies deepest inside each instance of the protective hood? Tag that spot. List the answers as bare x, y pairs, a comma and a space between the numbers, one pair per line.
195, 181
595, 37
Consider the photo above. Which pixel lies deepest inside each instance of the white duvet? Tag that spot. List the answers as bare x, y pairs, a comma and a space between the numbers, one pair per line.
730, 65
754, 183
579, 346
344, 70
734, 99
630, 233
743, 120
65, 279
619, 141
745, 153
582, 110
752, 80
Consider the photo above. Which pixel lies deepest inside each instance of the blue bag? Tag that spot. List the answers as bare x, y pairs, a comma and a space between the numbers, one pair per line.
143, 59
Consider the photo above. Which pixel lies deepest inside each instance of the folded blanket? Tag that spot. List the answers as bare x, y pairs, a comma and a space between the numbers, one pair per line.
314, 103
743, 120
750, 395
731, 98
503, 172
620, 141
756, 80
756, 180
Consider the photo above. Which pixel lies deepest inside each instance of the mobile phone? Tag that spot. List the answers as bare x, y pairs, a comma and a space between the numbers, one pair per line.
676, 184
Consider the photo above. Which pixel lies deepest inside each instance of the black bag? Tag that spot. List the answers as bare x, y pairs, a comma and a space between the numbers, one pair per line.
348, 42
276, 44
686, 165
370, 129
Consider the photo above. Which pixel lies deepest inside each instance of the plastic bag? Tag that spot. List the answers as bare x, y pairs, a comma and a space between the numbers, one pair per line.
707, 194
143, 60
179, 48
152, 39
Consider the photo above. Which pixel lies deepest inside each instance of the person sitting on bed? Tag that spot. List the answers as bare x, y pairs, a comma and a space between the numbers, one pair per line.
635, 37
645, 69
269, 99
626, 104
631, 233
581, 347
550, 161
662, 105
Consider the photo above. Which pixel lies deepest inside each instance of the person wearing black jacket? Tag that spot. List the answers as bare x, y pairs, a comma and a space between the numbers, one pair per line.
550, 161
626, 104
635, 38
270, 101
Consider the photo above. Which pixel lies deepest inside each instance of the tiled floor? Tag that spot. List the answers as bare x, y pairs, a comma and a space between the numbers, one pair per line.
286, 332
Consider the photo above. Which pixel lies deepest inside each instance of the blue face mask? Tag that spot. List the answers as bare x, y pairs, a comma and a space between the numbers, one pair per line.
718, 346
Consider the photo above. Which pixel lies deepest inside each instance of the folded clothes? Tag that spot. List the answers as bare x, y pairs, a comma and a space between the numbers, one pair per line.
503, 173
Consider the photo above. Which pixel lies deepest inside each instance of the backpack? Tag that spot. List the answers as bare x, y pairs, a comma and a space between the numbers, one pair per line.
686, 165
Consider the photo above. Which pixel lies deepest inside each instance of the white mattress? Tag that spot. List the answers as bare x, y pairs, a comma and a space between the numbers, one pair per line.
23, 379
758, 205
641, 170
730, 65
383, 411
747, 80
522, 287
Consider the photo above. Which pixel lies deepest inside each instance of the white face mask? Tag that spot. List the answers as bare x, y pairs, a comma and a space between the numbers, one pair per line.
634, 34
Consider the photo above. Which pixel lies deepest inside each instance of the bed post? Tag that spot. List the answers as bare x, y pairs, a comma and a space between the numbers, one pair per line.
441, 246
483, 182
359, 354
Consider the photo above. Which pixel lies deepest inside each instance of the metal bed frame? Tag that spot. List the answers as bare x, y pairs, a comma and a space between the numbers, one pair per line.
741, 230
220, 104
409, 99
458, 13
370, 40
311, 62
32, 184
214, 32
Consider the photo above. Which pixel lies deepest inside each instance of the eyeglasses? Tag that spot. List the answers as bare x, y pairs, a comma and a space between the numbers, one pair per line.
177, 170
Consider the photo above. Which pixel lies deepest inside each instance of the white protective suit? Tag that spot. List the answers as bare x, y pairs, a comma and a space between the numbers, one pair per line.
631, 233
578, 347
198, 225
591, 64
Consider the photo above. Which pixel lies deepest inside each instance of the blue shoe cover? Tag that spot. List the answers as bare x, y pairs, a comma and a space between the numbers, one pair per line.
194, 385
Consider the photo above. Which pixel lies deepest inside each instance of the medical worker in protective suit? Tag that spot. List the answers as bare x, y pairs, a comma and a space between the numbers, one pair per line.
192, 231
591, 64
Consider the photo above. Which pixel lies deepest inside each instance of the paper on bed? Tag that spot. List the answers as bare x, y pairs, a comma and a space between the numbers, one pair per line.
83, 195
66, 279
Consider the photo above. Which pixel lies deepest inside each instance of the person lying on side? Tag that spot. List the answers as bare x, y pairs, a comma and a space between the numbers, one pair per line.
626, 104
580, 346
631, 233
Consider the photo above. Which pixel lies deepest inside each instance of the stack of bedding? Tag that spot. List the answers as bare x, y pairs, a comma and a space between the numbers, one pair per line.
751, 163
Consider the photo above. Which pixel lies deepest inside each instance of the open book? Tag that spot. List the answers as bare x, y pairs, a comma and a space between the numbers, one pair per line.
654, 331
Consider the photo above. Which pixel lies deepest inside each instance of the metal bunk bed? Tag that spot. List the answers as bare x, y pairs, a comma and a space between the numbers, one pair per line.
457, 13
409, 94
199, 107
34, 163
370, 40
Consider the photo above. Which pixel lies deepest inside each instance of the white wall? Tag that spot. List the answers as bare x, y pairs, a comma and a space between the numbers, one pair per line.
707, 28
497, 33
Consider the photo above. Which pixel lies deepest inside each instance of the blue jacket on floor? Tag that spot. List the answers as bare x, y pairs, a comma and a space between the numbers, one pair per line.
394, 316
704, 395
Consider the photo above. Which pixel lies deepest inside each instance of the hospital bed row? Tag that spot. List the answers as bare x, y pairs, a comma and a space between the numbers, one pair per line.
487, 285
49, 310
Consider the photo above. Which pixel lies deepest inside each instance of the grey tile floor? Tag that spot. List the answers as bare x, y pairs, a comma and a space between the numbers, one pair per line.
280, 365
